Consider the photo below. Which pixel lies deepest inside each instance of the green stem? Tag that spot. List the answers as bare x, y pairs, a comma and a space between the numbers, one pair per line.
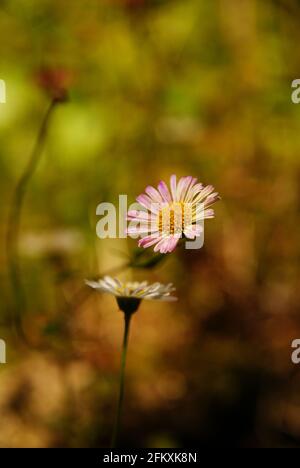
127, 317
13, 229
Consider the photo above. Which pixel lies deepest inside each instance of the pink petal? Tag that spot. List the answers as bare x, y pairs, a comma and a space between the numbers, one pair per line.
173, 241
173, 186
135, 214
146, 202
186, 186
160, 246
209, 214
154, 194
148, 241
195, 191
204, 193
182, 187
166, 245
204, 214
137, 230
189, 192
211, 199
164, 191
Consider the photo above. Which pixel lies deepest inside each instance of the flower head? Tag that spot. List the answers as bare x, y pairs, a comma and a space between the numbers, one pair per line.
173, 213
130, 294
55, 81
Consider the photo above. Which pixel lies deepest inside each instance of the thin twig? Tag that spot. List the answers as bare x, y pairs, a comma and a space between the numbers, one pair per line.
14, 220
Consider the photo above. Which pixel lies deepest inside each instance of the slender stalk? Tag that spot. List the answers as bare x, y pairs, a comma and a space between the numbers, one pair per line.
14, 220
127, 317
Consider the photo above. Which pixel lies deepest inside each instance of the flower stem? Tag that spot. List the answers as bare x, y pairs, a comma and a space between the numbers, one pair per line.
127, 318
14, 223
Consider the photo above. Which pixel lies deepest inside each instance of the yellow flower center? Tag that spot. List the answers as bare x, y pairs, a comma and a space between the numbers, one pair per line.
173, 218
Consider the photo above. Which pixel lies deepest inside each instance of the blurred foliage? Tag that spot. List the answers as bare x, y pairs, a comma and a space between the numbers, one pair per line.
155, 87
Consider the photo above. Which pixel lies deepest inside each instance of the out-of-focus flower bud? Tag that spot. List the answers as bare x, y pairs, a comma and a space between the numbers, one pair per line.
55, 82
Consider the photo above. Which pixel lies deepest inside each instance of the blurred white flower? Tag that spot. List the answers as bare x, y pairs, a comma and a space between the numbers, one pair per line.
143, 290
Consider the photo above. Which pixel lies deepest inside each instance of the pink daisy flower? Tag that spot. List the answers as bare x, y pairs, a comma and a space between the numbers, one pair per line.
167, 214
